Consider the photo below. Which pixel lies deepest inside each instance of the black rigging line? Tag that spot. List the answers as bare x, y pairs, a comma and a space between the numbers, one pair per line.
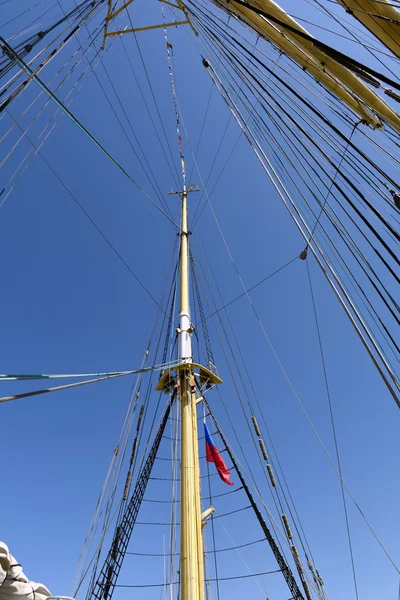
103, 587
202, 128
207, 341
158, 190
337, 170
328, 394
227, 160
345, 264
30, 153
27, 10
14, 56
155, 554
253, 287
149, 111
213, 162
154, 99
152, 585
81, 13
59, 86
95, 225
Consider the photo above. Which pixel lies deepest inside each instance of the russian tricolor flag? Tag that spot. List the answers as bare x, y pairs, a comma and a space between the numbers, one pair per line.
212, 455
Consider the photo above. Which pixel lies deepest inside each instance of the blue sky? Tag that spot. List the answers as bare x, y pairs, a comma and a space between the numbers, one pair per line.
70, 305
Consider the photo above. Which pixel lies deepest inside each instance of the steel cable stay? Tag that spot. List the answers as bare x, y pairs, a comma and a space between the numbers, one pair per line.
153, 181
333, 464
275, 544
264, 108
31, 153
111, 574
159, 585
133, 468
335, 84
239, 396
350, 63
239, 348
91, 43
393, 3
257, 128
104, 499
207, 551
225, 164
246, 416
311, 166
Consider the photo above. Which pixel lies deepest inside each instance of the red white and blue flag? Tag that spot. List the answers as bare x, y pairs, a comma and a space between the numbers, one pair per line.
212, 455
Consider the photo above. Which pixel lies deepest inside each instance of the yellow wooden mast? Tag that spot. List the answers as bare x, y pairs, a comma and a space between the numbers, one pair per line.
184, 375
191, 550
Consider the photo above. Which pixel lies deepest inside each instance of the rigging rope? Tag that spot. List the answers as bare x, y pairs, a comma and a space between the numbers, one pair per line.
79, 383
176, 108
328, 394
7, 48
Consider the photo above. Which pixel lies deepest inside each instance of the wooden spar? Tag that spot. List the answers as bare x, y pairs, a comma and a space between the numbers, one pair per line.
381, 18
335, 77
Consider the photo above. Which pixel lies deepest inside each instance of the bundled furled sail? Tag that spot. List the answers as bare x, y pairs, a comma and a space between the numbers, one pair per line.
381, 18
270, 21
13, 582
